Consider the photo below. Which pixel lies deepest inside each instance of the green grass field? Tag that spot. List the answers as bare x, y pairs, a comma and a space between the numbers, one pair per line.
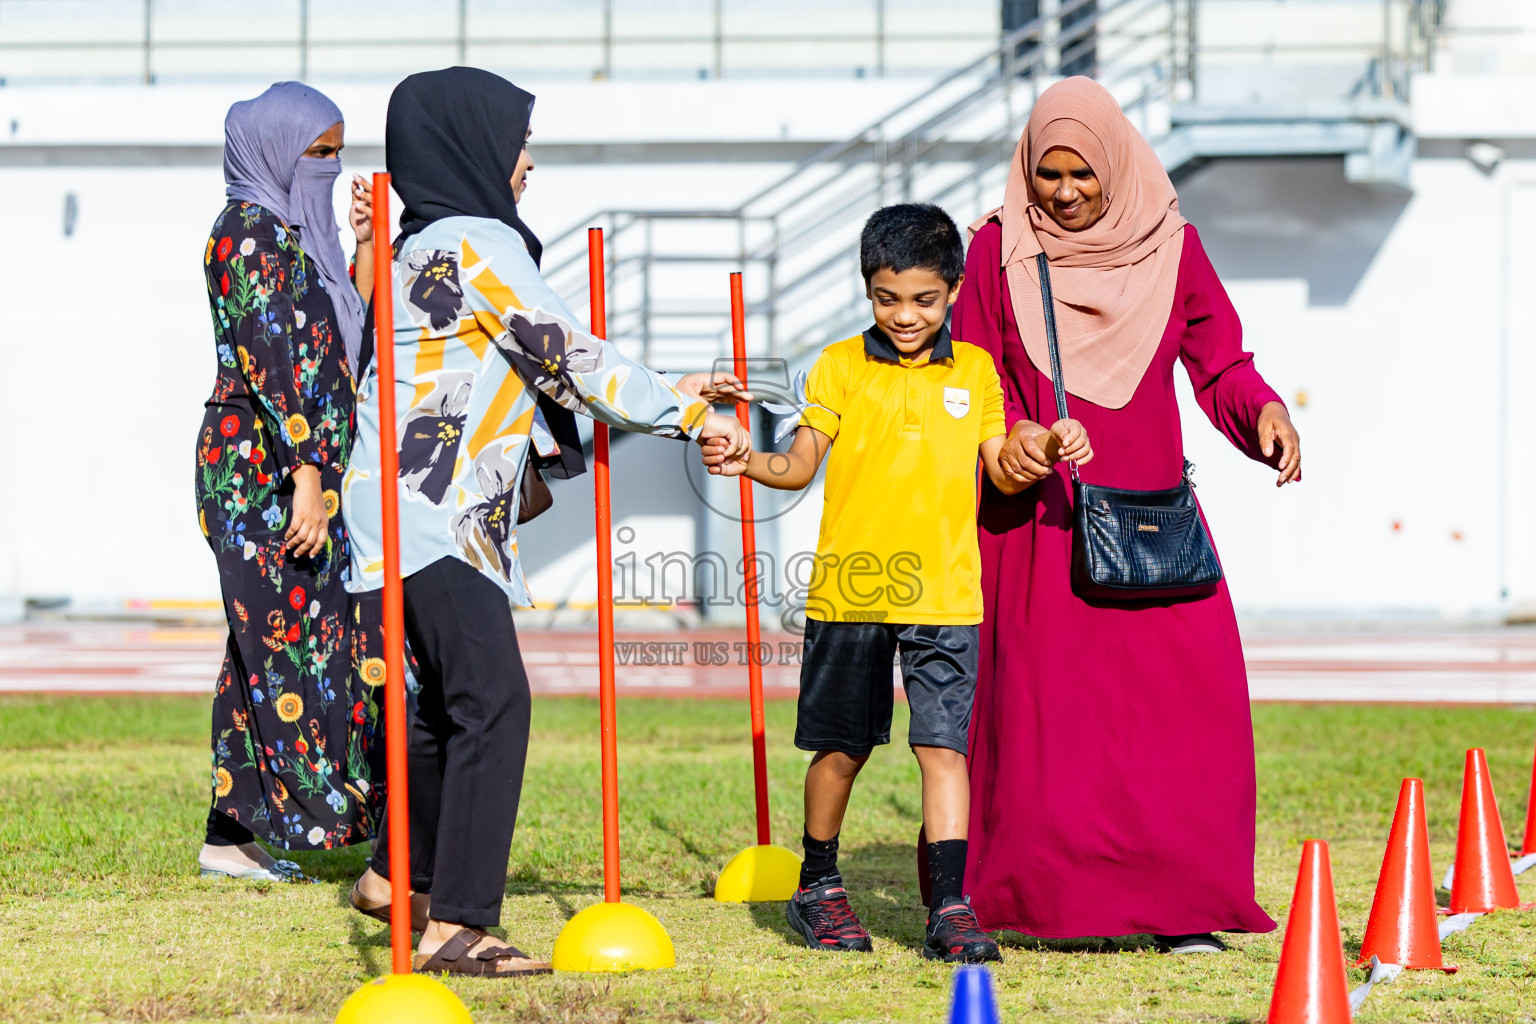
102, 915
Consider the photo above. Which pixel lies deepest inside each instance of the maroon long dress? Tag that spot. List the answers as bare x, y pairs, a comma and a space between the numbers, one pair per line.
1111, 747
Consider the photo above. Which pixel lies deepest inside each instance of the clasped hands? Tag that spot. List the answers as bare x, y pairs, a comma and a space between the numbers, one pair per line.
727, 444
1031, 451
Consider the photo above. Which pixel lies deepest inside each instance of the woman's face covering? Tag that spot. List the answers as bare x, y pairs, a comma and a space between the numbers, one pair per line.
520, 174
1068, 190
328, 146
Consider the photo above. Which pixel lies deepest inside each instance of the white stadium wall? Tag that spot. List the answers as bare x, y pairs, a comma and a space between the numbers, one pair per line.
1413, 392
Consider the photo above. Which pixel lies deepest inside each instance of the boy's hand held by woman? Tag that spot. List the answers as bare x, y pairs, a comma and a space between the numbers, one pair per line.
1031, 452
726, 444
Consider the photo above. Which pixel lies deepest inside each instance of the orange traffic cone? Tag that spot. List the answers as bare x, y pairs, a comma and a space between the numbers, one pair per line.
1484, 880
1402, 929
1529, 846
1310, 986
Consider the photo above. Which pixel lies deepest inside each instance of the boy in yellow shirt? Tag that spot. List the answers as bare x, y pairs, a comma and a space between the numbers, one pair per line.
908, 408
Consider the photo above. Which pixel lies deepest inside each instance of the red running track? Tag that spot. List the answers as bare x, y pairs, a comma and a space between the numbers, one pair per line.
1490, 666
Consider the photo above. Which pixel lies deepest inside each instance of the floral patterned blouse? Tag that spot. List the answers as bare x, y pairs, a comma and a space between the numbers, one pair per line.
274, 350
476, 332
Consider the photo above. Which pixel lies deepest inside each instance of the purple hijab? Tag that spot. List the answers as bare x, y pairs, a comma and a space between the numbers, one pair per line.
264, 163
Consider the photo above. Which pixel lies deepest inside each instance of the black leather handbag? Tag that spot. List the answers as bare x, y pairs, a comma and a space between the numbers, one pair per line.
1131, 545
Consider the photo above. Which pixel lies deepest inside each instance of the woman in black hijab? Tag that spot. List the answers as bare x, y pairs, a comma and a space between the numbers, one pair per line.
490, 369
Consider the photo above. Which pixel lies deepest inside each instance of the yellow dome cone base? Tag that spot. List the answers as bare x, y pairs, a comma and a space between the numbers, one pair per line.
759, 874
403, 999
613, 937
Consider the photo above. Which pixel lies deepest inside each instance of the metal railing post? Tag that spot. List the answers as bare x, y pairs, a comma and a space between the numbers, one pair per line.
882, 158
1194, 51
1386, 48
879, 38
611, 252
741, 241
773, 291
303, 40
719, 38
645, 293
1173, 46
149, 60
1050, 36
463, 33
906, 172
607, 39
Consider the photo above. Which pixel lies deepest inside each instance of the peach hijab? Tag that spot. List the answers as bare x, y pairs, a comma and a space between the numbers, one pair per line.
1114, 281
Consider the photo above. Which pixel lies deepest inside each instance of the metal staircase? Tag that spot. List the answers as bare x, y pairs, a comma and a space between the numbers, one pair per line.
797, 240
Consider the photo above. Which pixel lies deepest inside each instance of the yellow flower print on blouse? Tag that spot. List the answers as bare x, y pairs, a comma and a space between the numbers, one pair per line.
289, 707
373, 671
223, 783
332, 503
298, 428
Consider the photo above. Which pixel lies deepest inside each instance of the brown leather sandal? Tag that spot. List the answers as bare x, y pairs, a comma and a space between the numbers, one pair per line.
421, 906
454, 958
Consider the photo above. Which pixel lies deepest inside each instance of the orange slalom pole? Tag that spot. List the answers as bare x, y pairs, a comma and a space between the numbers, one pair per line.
394, 597
749, 558
607, 713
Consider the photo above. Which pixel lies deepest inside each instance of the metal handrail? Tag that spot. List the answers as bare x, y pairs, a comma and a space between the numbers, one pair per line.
1005, 65
148, 41
789, 235
789, 227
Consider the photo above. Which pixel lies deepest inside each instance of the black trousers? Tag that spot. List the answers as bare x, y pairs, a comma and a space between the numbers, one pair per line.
469, 742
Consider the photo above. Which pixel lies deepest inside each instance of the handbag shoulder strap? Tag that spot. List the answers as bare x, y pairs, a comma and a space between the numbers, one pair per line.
1048, 303
1043, 264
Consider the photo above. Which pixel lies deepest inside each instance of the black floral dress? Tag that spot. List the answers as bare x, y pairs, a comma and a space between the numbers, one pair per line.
294, 721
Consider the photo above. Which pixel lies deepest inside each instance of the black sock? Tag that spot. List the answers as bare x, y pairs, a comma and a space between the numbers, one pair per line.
946, 870
226, 831
820, 860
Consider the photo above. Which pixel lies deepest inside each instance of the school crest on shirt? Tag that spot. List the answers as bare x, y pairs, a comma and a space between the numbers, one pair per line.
957, 402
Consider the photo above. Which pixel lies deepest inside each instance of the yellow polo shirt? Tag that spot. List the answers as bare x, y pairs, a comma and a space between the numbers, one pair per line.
898, 520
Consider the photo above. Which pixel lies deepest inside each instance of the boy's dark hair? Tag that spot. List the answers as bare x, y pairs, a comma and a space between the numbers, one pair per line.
911, 236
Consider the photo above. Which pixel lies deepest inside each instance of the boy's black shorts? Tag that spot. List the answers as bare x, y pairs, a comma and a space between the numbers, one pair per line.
846, 690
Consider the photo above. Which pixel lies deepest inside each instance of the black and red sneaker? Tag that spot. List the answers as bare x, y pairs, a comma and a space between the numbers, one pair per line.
955, 937
822, 915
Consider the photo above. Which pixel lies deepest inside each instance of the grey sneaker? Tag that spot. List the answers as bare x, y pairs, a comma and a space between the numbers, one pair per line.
1204, 942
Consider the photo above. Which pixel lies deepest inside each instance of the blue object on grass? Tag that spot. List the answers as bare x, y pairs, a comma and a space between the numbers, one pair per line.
973, 1001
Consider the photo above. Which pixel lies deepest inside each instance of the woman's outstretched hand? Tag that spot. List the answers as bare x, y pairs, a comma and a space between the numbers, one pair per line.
713, 387
308, 524
1276, 429
361, 214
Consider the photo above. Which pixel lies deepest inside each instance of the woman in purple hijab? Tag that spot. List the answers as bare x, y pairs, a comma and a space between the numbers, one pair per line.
291, 715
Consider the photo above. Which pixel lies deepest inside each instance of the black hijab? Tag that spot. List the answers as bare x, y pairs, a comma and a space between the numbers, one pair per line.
451, 143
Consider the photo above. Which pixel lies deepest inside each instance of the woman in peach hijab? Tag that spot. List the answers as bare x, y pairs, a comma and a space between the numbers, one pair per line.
1112, 771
